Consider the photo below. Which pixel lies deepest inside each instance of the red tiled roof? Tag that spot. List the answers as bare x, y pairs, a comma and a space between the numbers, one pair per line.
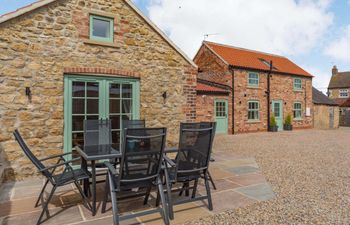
254, 60
207, 86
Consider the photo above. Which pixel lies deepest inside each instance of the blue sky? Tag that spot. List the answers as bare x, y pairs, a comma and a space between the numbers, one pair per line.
312, 33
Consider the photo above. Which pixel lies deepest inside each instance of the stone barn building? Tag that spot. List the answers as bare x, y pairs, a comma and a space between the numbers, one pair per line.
326, 111
259, 85
63, 61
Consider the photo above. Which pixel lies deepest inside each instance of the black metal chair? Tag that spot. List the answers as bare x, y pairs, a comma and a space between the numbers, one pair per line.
130, 124
140, 167
68, 176
191, 162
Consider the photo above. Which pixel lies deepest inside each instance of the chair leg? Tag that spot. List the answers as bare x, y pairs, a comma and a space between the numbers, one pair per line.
169, 198
148, 192
164, 205
195, 188
182, 189
158, 198
86, 200
114, 204
41, 193
207, 187
211, 181
105, 197
187, 189
45, 205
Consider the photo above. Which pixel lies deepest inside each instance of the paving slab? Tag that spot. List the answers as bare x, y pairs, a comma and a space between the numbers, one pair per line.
261, 192
243, 170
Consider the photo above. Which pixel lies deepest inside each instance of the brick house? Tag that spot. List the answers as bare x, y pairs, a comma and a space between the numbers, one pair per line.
339, 91
253, 95
62, 61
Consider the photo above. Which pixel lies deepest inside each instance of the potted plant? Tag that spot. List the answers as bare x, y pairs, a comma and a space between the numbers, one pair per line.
288, 123
273, 124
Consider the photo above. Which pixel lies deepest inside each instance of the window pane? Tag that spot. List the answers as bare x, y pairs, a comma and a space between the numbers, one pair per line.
115, 121
126, 117
77, 139
115, 139
78, 106
78, 89
92, 106
114, 90
92, 89
78, 123
114, 106
126, 105
127, 89
101, 28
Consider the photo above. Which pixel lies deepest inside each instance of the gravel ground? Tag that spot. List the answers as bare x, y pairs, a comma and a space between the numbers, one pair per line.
308, 170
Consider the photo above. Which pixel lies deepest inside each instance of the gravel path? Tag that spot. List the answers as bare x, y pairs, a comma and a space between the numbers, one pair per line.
308, 170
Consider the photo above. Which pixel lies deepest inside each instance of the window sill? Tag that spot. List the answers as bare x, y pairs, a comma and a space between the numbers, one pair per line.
298, 119
253, 87
100, 43
297, 90
253, 121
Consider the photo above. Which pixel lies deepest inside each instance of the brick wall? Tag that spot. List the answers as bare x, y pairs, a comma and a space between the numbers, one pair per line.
214, 69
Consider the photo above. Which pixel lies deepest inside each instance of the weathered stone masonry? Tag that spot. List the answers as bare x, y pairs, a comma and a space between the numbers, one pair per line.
37, 48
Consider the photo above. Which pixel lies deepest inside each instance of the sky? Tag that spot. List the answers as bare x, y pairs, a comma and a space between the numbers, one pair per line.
315, 34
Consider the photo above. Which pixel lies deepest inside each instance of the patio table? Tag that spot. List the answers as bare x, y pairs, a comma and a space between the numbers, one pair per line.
94, 153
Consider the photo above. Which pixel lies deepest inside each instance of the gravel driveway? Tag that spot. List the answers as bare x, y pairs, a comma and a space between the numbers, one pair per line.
309, 171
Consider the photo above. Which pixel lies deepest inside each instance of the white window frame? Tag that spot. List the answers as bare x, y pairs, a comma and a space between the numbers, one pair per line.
255, 79
343, 93
296, 88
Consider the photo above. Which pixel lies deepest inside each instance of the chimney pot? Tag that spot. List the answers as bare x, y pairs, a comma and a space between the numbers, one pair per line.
334, 70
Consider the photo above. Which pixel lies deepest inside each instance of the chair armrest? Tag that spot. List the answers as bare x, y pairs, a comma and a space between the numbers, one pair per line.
54, 156
59, 164
171, 150
111, 168
169, 161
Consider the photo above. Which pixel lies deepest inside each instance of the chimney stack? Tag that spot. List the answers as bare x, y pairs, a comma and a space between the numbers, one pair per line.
334, 70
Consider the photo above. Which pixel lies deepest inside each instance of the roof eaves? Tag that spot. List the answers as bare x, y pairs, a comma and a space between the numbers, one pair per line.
42, 3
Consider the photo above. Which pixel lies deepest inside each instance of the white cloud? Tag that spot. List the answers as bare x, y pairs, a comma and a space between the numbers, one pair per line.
321, 78
279, 26
340, 47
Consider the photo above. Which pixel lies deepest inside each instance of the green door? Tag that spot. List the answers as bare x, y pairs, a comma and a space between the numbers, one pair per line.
277, 110
221, 116
89, 97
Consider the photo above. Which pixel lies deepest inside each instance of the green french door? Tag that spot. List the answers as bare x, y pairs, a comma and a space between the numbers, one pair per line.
221, 116
277, 110
87, 97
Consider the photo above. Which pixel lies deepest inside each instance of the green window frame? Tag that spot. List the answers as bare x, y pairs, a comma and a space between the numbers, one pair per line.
109, 20
297, 110
253, 110
253, 79
297, 84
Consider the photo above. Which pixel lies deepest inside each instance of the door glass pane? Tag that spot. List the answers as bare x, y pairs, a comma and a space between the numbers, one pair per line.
116, 138
78, 89
77, 123
115, 121
126, 117
114, 106
126, 91
92, 89
277, 109
114, 90
126, 105
78, 106
92, 106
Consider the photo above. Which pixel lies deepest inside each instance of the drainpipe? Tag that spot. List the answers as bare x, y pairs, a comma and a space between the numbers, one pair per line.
230, 67
268, 95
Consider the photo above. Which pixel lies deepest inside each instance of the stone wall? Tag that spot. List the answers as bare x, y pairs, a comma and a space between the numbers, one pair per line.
214, 69
334, 93
35, 50
322, 116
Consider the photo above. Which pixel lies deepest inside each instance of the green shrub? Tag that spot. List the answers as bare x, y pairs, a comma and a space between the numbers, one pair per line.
288, 120
273, 121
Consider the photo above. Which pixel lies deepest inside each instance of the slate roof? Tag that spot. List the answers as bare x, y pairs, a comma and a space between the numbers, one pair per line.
321, 99
340, 80
250, 59
205, 86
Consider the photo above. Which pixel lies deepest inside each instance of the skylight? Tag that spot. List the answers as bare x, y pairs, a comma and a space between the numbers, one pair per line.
266, 63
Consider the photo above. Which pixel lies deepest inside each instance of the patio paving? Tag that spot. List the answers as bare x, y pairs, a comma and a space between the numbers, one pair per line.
239, 183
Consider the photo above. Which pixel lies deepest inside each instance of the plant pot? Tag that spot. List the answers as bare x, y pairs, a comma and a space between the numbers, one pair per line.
287, 127
273, 128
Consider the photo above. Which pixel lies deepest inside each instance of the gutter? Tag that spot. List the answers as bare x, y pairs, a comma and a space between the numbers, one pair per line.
231, 69
268, 95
